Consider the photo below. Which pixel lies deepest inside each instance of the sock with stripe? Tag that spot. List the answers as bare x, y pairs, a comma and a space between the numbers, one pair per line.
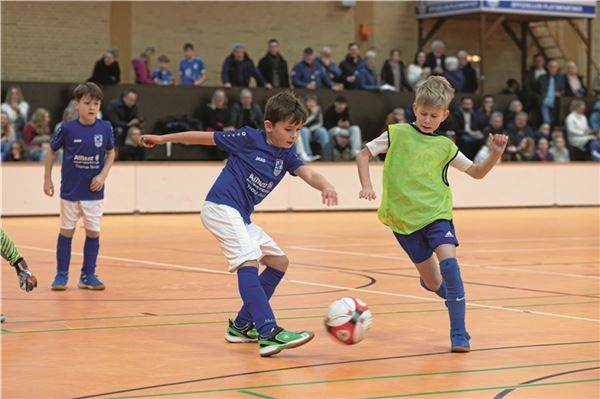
255, 300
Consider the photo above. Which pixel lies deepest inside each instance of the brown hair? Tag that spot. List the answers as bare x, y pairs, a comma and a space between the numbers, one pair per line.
88, 88
285, 105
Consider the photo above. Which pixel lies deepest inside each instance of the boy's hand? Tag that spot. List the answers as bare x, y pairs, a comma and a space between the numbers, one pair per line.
329, 196
48, 188
367, 193
27, 280
150, 140
498, 142
97, 183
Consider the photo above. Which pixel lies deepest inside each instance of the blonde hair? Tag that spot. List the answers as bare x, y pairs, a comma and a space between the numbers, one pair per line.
38, 121
575, 104
435, 91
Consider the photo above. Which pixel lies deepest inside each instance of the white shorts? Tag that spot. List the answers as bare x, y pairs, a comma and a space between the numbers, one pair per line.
239, 241
71, 211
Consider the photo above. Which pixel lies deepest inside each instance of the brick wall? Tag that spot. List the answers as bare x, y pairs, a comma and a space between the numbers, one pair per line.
52, 41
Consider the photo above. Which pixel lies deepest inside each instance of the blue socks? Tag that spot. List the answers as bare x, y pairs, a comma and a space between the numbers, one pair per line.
255, 299
269, 279
441, 292
90, 254
63, 253
455, 295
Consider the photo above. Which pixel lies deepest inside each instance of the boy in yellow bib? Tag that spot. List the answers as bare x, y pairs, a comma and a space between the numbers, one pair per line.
417, 202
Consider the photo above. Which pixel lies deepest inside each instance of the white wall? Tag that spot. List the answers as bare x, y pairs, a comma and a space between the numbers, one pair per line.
181, 187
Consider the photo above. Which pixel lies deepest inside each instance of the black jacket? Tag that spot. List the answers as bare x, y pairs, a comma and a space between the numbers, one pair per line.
387, 76
470, 74
246, 69
265, 66
430, 61
348, 68
106, 74
331, 118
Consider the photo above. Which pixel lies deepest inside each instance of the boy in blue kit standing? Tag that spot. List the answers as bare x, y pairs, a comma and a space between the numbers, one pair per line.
417, 202
88, 154
257, 162
191, 69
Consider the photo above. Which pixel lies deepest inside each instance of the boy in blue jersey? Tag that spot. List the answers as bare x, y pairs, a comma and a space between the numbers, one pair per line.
191, 69
88, 154
161, 75
417, 202
258, 161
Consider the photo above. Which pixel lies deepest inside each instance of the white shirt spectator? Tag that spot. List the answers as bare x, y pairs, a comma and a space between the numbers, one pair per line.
578, 130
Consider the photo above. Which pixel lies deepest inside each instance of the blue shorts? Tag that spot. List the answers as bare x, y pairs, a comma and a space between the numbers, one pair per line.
421, 244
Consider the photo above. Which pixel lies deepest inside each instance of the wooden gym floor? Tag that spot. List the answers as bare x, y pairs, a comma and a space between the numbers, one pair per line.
531, 276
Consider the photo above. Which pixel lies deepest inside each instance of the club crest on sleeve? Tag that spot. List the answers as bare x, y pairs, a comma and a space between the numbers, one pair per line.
98, 139
278, 167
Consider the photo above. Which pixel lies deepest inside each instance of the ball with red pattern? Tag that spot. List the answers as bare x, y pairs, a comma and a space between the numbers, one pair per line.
348, 320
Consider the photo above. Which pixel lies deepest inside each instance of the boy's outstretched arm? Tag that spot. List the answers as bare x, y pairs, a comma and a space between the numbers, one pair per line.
362, 162
201, 138
318, 181
497, 143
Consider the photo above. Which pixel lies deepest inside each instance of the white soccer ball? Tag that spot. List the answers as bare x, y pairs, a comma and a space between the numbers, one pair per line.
348, 320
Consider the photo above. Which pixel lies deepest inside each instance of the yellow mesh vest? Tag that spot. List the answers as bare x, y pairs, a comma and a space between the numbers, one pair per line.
415, 185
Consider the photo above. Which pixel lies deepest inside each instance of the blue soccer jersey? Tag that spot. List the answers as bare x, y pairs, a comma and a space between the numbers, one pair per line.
84, 150
253, 169
164, 77
190, 70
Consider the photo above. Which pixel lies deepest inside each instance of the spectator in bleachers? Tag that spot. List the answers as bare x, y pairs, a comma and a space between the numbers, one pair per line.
69, 114
574, 82
107, 70
132, 151
596, 84
17, 153
453, 74
8, 134
123, 113
543, 132
37, 134
161, 75
396, 116
350, 65
542, 153
314, 132
536, 69
435, 59
238, 68
550, 86
512, 87
273, 67
141, 67
324, 59
366, 74
393, 72
337, 120
217, 116
467, 128
595, 116
486, 110
246, 112
342, 150
469, 73
526, 150
514, 107
556, 132
417, 71
578, 131
559, 150
192, 71
495, 126
595, 148
517, 132
16, 108
307, 74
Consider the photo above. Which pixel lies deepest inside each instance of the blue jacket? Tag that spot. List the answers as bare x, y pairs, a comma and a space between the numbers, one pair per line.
303, 74
456, 79
332, 69
595, 117
366, 79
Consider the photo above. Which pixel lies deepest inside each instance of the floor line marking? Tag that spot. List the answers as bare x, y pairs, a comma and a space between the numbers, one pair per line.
377, 292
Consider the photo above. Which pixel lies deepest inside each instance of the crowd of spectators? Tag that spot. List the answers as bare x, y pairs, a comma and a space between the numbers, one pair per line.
330, 134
